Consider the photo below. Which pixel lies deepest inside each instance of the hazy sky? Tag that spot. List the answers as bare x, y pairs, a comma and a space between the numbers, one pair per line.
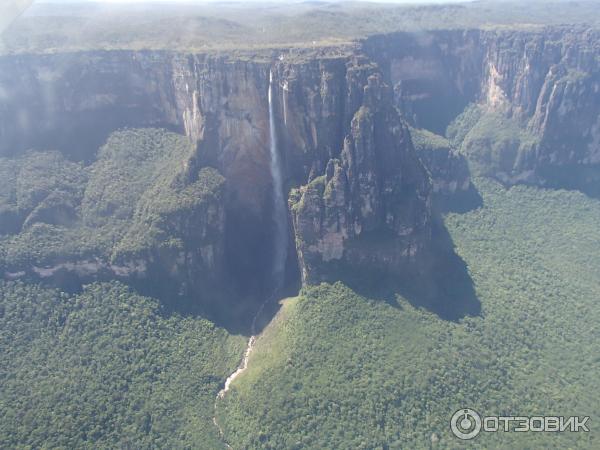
240, 1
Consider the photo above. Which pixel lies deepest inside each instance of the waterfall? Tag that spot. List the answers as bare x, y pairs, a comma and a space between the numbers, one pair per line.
280, 217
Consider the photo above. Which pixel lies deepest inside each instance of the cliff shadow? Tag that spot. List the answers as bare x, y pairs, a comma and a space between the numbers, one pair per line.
443, 284
220, 302
440, 284
459, 202
582, 178
79, 136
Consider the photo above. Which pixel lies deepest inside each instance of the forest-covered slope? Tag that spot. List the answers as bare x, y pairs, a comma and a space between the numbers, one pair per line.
136, 211
107, 368
337, 369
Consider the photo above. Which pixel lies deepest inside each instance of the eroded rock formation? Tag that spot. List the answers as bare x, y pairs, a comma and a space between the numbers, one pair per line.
360, 192
370, 209
545, 83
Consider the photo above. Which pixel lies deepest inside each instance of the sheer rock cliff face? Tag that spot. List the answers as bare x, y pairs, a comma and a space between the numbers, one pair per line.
222, 106
312, 105
360, 194
72, 101
550, 82
547, 81
434, 75
371, 207
332, 114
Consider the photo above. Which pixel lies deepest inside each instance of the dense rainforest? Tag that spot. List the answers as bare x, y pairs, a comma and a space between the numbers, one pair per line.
319, 225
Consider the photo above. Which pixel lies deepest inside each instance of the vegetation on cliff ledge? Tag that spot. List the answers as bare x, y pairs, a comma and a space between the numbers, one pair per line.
494, 144
52, 209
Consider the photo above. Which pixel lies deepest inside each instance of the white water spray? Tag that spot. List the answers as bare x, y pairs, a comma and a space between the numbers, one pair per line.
280, 246
279, 204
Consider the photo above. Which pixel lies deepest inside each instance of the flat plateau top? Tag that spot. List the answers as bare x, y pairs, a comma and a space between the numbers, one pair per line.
258, 27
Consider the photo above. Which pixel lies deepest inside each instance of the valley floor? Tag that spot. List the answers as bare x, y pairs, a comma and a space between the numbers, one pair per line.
339, 370
335, 369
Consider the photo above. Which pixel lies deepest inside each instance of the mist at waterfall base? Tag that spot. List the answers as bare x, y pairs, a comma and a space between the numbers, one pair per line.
280, 223
260, 261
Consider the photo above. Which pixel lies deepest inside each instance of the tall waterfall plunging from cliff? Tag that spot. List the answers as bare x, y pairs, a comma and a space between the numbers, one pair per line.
280, 216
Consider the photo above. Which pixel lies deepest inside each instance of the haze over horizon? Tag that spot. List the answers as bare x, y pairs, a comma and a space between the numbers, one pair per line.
246, 1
